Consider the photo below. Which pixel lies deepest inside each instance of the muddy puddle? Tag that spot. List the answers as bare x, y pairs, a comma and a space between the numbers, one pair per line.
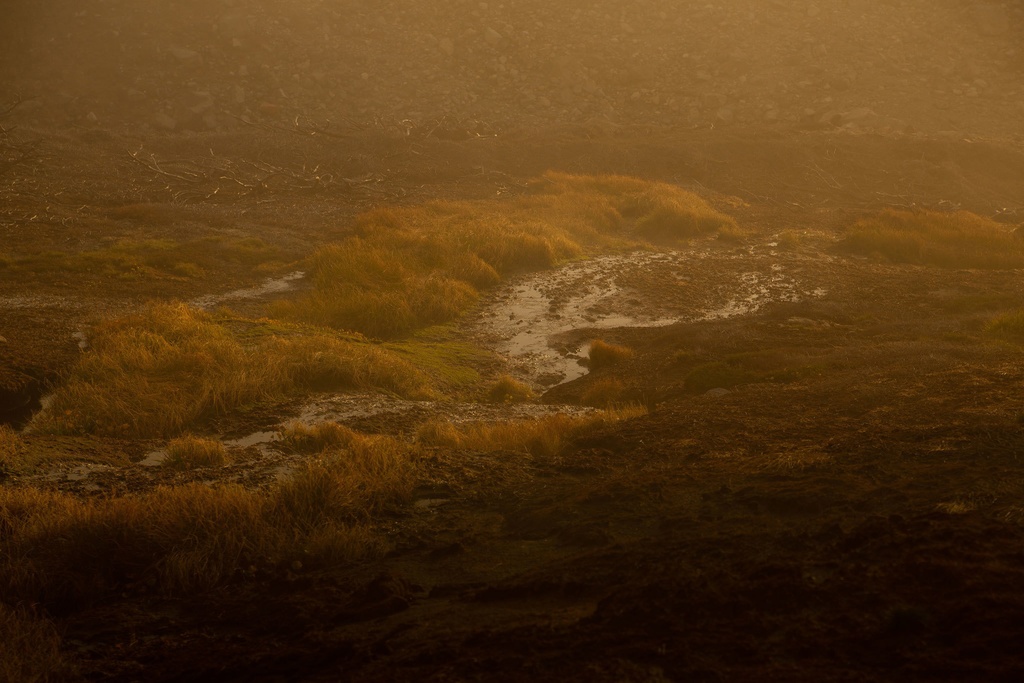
267, 288
535, 322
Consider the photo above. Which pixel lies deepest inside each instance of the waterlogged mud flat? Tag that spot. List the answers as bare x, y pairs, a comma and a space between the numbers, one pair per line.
536, 322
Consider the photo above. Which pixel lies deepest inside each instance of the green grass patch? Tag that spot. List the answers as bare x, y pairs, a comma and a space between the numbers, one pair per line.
949, 240
453, 366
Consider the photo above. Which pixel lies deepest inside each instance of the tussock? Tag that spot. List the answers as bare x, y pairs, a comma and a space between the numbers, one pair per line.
949, 240
603, 393
172, 368
64, 552
602, 354
411, 267
507, 389
305, 438
191, 452
543, 437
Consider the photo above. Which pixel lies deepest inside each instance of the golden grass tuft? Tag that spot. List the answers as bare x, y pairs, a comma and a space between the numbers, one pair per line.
543, 437
603, 355
367, 475
29, 648
65, 552
950, 240
191, 452
1008, 326
603, 393
305, 438
507, 389
410, 267
172, 367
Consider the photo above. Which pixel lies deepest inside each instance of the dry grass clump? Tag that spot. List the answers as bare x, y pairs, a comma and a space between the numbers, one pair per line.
411, 267
543, 437
172, 367
63, 552
507, 389
603, 393
191, 452
603, 355
1008, 326
305, 438
29, 648
951, 240
368, 475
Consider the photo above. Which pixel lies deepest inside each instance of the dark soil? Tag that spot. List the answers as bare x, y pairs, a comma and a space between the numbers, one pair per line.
849, 510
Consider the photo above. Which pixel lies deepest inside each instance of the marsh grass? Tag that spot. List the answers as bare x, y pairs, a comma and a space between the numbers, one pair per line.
542, 437
603, 393
191, 452
507, 389
411, 267
304, 438
951, 240
603, 355
365, 476
65, 552
172, 368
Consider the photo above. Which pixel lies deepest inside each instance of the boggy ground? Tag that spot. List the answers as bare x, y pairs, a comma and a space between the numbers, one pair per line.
845, 503
849, 509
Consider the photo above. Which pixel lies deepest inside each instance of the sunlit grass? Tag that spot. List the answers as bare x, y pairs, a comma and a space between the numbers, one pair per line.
545, 436
63, 551
507, 389
603, 393
412, 267
191, 452
602, 354
351, 481
951, 240
172, 368
304, 438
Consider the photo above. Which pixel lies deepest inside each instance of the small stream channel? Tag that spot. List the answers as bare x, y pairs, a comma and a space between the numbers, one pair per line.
537, 323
